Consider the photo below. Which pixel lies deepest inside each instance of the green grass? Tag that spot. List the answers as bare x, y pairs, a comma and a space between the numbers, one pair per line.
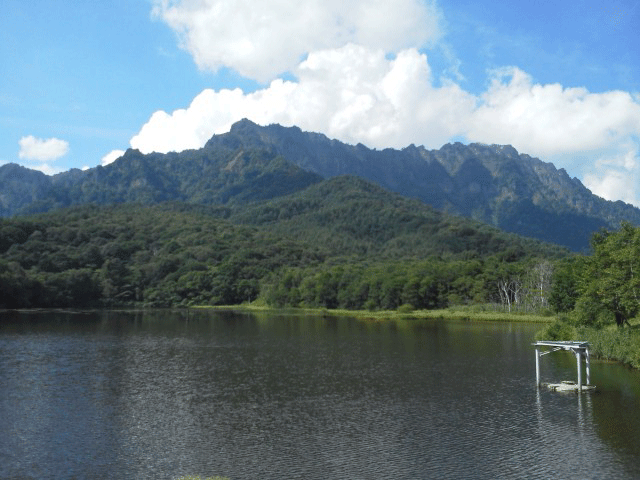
607, 343
477, 313
613, 343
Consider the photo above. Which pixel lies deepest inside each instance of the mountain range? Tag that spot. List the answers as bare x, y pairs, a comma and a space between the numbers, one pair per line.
493, 184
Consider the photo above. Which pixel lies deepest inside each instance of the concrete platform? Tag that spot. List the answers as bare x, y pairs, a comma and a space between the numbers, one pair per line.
568, 386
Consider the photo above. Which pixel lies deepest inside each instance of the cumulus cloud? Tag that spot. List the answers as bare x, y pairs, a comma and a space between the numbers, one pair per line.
39, 153
359, 73
352, 93
614, 185
32, 148
357, 94
111, 157
550, 119
261, 39
616, 176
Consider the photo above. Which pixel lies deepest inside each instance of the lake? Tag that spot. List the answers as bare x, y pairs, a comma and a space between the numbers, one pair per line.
164, 394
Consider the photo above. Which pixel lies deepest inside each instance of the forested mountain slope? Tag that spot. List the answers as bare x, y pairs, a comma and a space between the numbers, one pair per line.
205, 176
352, 216
180, 254
489, 183
20, 186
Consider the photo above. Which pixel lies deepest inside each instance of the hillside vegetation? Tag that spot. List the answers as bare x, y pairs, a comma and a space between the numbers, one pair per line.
205, 177
339, 243
493, 184
597, 295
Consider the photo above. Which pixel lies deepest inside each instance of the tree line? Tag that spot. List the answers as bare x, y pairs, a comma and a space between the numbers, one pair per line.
175, 255
124, 255
432, 283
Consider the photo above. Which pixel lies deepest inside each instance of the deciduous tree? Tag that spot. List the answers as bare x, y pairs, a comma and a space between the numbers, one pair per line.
611, 276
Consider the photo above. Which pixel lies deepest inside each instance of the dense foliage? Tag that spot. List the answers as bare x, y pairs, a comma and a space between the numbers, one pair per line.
351, 216
597, 296
431, 283
159, 256
604, 287
342, 242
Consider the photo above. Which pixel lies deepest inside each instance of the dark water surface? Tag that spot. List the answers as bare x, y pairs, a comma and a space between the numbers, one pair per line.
165, 394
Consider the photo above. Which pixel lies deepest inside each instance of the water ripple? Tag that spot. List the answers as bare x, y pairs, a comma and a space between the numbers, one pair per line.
253, 400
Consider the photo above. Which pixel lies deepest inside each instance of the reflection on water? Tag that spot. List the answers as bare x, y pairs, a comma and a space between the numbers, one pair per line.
165, 394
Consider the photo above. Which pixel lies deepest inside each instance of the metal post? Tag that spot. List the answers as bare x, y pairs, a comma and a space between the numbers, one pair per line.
578, 358
537, 366
588, 367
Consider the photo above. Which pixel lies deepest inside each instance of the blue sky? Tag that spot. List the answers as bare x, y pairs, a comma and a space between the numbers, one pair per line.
81, 81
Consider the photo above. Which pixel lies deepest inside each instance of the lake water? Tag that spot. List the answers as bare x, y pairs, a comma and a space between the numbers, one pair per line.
167, 394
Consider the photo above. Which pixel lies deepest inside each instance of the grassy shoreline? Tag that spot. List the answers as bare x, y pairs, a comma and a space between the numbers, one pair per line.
452, 313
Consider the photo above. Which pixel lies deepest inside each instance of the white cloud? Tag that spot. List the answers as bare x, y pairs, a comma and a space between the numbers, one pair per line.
351, 93
549, 119
261, 39
210, 112
626, 158
357, 94
615, 177
32, 148
614, 185
45, 168
111, 157
358, 75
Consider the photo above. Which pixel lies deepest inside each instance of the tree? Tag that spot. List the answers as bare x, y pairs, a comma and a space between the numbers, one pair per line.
115, 276
510, 292
540, 282
611, 277
564, 285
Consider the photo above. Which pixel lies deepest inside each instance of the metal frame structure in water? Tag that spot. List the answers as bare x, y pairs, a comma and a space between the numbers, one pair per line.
579, 349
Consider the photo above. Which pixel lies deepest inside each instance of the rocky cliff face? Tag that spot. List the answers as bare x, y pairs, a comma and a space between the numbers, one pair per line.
20, 186
490, 183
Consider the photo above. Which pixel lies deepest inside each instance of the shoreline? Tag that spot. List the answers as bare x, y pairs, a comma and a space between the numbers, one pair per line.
460, 313
607, 345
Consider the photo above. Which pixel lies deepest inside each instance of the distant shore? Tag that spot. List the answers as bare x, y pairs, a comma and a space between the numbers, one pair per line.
611, 344
452, 313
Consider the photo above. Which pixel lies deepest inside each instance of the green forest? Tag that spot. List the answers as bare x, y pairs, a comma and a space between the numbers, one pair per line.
341, 243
